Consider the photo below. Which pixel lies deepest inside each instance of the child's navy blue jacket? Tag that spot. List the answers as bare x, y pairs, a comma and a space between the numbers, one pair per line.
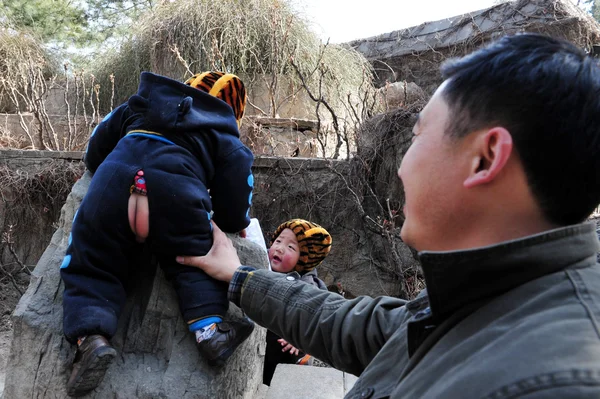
196, 121
187, 143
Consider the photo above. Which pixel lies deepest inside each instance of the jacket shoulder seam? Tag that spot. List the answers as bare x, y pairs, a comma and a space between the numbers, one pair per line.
584, 297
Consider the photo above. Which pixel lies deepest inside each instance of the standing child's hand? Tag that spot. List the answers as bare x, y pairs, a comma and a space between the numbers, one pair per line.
288, 347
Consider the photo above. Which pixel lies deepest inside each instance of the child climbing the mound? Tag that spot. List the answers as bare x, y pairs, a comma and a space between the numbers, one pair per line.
297, 248
154, 160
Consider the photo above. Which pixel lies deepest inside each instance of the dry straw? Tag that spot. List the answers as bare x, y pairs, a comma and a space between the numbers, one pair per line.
255, 39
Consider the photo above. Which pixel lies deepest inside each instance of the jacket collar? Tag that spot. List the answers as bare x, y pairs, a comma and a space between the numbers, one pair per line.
457, 278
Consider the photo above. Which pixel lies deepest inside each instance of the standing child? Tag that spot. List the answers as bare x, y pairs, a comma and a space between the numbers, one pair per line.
154, 160
297, 248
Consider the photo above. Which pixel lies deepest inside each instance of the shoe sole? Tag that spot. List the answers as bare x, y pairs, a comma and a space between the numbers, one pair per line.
222, 358
90, 377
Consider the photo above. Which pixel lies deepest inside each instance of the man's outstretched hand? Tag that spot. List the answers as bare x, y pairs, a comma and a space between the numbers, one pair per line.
220, 262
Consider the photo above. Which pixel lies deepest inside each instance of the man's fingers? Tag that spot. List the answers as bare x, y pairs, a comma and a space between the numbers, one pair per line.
219, 237
198, 261
216, 230
220, 262
191, 260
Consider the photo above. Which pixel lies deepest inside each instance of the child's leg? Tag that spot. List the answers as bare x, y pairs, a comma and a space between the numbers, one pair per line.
200, 296
96, 264
274, 355
94, 271
179, 205
203, 303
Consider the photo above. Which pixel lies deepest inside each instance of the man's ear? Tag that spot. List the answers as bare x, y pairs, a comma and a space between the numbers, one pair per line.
493, 152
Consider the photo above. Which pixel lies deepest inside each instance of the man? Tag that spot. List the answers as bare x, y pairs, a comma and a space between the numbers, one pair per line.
505, 163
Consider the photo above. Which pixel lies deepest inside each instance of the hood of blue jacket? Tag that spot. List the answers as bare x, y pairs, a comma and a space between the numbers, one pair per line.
172, 107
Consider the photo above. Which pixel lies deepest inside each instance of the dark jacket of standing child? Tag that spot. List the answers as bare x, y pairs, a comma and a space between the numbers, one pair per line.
154, 160
297, 248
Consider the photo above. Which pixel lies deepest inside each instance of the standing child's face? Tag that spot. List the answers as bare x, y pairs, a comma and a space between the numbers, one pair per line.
284, 252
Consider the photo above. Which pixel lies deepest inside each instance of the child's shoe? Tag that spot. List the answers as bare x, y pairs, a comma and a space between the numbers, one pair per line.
92, 359
225, 340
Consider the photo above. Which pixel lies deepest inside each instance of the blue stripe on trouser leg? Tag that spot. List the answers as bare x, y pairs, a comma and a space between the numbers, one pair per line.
66, 261
207, 321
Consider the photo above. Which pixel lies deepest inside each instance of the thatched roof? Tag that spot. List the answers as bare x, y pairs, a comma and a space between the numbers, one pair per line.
456, 36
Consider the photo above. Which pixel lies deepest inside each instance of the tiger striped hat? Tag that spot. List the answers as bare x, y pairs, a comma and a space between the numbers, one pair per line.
314, 243
224, 86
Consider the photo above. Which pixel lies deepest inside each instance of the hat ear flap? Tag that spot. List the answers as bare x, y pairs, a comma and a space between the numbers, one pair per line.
224, 86
230, 89
320, 234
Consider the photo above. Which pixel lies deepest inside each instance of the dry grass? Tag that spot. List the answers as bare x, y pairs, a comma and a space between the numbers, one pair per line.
255, 39
49, 183
30, 200
30, 78
25, 65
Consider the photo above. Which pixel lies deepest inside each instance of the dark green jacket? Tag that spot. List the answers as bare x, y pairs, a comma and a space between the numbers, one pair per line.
517, 319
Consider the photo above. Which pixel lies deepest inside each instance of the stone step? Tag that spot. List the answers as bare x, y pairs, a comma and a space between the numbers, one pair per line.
307, 382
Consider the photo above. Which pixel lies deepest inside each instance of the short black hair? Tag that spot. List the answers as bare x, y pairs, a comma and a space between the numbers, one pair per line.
546, 93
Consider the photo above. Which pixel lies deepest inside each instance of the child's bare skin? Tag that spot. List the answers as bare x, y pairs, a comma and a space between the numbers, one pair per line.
139, 216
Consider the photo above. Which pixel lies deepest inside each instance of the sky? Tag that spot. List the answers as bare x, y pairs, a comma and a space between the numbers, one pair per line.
345, 20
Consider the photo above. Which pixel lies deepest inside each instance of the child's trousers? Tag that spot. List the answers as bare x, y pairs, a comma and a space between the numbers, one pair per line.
101, 243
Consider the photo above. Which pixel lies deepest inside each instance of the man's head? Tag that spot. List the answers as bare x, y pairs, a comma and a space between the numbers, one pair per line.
298, 245
224, 86
512, 135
